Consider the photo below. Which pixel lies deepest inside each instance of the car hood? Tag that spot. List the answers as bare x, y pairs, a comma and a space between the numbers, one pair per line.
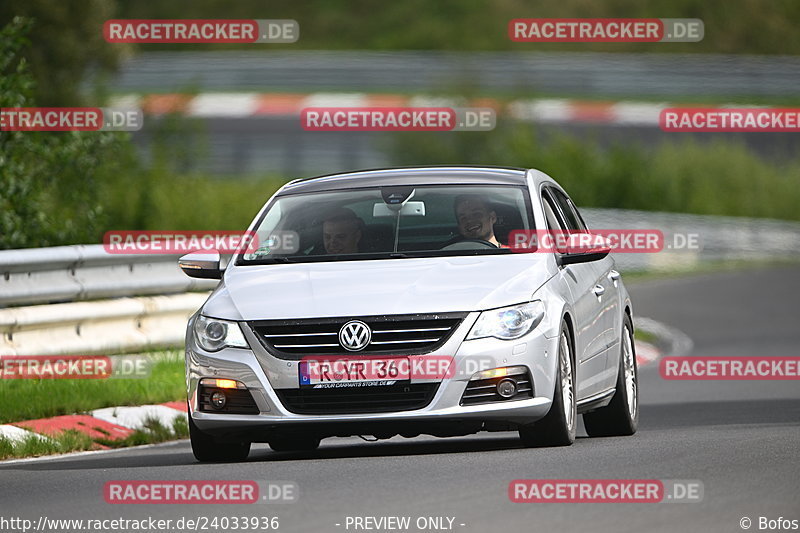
377, 287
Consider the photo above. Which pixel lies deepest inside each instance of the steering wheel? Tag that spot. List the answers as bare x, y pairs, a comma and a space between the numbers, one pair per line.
464, 243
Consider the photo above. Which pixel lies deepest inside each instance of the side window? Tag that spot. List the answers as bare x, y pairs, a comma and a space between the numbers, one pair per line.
553, 221
578, 214
571, 216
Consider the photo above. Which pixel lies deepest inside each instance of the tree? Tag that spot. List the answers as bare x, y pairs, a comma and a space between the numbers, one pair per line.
50, 181
66, 44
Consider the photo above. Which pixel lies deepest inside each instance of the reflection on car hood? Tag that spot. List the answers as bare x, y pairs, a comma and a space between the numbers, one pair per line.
376, 287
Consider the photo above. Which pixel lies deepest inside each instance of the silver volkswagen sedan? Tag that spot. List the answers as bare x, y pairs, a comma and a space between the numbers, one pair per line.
411, 301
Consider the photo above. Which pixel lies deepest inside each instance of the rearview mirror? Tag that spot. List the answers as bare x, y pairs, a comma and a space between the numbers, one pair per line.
409, 209
202, 265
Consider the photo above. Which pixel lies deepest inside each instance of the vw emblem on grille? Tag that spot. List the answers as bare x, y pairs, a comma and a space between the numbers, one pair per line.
355, 335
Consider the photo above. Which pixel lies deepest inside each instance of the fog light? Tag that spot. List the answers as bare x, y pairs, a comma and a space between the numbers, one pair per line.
507, 388
218, 400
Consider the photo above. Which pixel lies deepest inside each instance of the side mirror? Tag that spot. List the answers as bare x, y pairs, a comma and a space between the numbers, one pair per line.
583, 250
582, 257
202, 265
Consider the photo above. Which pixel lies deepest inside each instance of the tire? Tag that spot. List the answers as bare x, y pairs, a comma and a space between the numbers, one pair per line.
208, 450
620, 417
557, 428
295, 443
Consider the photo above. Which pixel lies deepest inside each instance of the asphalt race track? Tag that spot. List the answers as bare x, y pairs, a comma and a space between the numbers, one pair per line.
740, 439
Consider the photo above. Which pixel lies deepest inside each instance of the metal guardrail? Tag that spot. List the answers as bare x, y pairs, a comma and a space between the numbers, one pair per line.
87, 272
720, 238
123, 318
118, 325
127, 322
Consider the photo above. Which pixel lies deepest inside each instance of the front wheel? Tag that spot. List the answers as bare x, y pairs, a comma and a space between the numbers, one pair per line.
621, 416
557, 428
207, 450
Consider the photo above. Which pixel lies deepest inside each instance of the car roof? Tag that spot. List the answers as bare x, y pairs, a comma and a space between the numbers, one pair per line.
429, 175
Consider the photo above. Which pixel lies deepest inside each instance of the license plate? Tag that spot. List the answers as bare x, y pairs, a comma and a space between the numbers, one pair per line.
361, 372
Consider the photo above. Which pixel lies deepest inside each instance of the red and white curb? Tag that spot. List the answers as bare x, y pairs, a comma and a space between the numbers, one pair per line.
136, 417
16, 434
251, 104
672, 342
108, 424
646, 353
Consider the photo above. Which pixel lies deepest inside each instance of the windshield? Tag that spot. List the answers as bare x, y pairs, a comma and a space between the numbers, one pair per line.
390, 222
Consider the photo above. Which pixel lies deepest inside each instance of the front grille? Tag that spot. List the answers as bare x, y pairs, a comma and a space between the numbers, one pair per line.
352, 400
238, 401
391, 334
485, 390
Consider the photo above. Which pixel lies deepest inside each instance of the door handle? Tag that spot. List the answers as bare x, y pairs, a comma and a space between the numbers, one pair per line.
598, 290
614, 275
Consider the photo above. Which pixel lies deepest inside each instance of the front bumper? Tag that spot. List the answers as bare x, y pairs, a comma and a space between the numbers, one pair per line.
262, 373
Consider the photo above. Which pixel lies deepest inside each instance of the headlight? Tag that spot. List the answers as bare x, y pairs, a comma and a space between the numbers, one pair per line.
213, 335
508, 322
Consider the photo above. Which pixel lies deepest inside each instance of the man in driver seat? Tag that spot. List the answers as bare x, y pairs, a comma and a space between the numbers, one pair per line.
342, 231
476, 219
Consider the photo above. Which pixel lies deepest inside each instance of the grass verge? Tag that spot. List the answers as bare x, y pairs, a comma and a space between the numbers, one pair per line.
26, 399
644, 336
29, 399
